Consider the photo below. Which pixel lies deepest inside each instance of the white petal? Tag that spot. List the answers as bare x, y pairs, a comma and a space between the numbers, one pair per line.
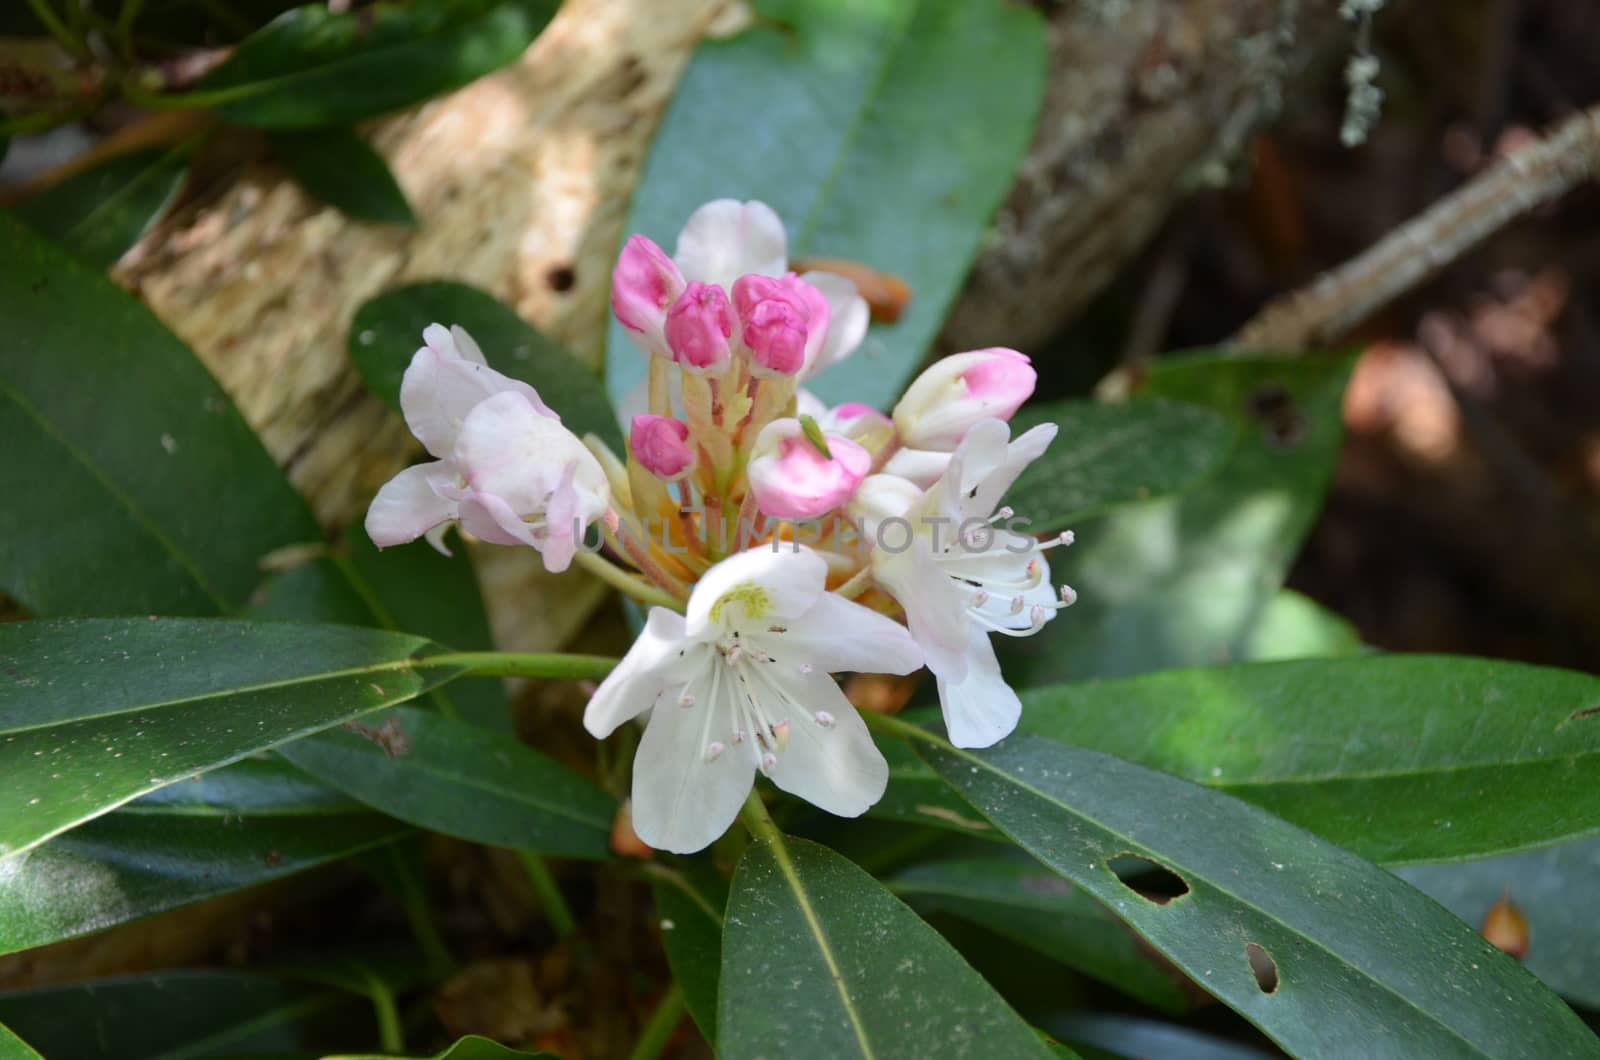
847, 320
922, 466
408, 506
683, 798
507, 448
981, 709
836, 634
466, 345
757, 587
726, 239
838, 769
660, 657
440, 388
988, 475
935, 608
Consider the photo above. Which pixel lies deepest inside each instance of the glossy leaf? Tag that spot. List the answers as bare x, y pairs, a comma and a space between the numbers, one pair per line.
818, 959
1554, 890
471, 1047
99, 213
117, 447
388, 330
1106, 456
255, 821
1396, 757
455, 778
96, 712
1131, 1038
1186, 580
916, 795
12, 1047
312, 68
1025, 902
340, 168
886, 131
1306, 941
690, 907
173, 1015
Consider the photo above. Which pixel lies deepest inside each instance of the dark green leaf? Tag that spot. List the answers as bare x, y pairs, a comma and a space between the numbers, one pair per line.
12, 1047
1106, 456
311, 68
886, 131
130, 483
916, 795
471, 1047
388, 330
1028, 904
1398, 758
96, 712
690, 908
177, 1015
455, 778
247, 824
1186, 580
1554, 889
340, 168
818, 959
413, 590
1306, 941
1129, 1038
98, 214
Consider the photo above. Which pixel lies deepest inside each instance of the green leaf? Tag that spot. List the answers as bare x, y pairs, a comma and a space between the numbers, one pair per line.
1554, 889
916, 795
388, 330
96, 712
690, 910
99, 213
340, 168
1308, 942
1185, 581
255, 821
450, 777
130, 484
1130, 1038
175, 1015
818, 959
471, 1047
1396, 757
1030, 905
1293, 626
1106, 456
886, 131
12, 1047
311, 68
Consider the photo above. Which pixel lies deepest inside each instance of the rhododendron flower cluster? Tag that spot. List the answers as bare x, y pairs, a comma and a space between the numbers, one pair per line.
779, 541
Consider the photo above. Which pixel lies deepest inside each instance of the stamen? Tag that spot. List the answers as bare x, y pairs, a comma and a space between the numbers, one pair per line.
979, 598
714, 750
1002, 514
823, 718
780, 735
769, 762
1066, 537
687, 699
1069, 596
805, 668
1017, 603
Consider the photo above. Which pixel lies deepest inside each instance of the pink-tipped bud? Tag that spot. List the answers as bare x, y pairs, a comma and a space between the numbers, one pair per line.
644, 284
661, 445
943, 403
699, 326
784, 322
793, 478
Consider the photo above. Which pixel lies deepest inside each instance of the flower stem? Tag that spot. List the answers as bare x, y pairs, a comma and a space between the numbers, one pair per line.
856, 584
554, 665
555, 906
663, 1021
758, 820
626, 583
58, 29
893, 726
390, 1037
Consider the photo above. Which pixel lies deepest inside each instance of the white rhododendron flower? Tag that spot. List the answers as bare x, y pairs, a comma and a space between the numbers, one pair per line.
739, 684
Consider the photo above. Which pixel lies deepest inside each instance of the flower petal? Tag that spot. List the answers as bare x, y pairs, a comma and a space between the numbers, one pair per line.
441, 387
986, 472
507, 448
408, 506
981, 709
935, 609
835, 768
848, 316
726, 239
755, 588
658, 658
836, 634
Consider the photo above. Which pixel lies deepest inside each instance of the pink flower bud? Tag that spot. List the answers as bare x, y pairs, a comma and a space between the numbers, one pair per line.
644, 284
793, 478
784, 321
943, 403
661, 444
698, 328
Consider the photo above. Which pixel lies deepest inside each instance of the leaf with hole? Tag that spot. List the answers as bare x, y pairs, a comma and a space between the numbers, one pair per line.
342, 170
1185, 581
99, 213
912, 114
1348, 952
388, 330
447, 776
1398, 758
115, 437
806, 970
256, 821
690, 909
96, 712
312, 67
1029, 904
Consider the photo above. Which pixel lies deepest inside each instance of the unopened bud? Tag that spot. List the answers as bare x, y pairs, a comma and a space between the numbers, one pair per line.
661, 445
699, 328
644, 284
793, 478
956, 392
783, 322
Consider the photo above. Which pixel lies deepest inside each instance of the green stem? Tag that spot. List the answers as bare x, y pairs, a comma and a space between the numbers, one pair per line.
550, 897
623, 582
126, 16
759, 821
554, 665
415, 903
58, 29
663, 1021
893, 726
390, 1038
